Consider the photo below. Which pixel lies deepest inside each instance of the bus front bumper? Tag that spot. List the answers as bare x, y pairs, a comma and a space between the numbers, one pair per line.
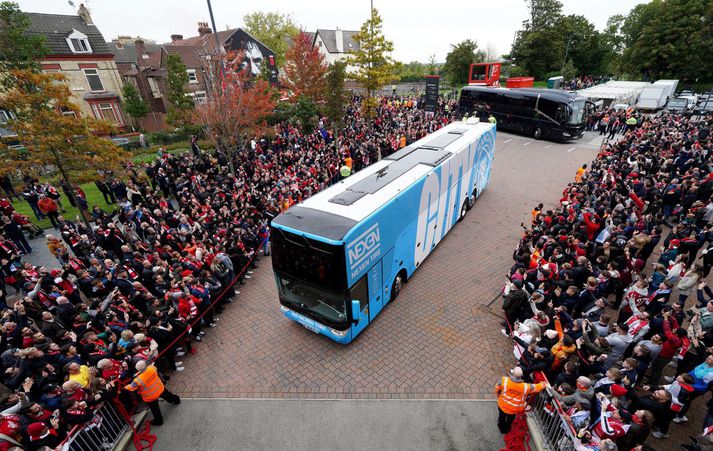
343, 337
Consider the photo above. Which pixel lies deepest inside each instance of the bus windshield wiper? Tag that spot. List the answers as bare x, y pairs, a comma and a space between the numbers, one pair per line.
339, 314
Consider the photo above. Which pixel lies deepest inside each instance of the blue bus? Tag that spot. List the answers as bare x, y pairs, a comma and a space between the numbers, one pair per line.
340, 256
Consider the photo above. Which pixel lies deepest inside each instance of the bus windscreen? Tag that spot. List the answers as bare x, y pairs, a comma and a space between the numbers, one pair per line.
577, 110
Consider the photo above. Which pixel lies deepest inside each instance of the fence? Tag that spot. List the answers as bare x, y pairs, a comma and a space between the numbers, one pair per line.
104, 431
548, 427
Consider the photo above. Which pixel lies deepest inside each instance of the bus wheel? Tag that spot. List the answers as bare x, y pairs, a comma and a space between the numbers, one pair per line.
464, 210
472, 199
538, 133
396, 286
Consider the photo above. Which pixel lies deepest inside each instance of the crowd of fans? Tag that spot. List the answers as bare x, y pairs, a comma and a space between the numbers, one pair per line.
132, 290
583, 82
608, 301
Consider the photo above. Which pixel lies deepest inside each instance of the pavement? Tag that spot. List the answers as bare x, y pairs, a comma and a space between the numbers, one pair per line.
220, 424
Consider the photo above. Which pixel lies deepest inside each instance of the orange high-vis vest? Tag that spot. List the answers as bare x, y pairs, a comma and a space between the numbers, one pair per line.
148, 383
512, 396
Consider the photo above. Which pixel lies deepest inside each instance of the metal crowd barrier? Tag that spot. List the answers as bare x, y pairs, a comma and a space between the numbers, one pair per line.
548, 427
103, 432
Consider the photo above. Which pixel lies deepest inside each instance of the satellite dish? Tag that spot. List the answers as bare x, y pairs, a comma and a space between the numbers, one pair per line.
71, 3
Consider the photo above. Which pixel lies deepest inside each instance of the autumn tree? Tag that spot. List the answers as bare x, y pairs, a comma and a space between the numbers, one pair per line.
236, 109
51, 138
304, 71
373, 63
275, 30
180, 106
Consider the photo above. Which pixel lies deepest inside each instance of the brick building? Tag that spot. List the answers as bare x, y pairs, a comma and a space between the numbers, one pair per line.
77, 49
139, 63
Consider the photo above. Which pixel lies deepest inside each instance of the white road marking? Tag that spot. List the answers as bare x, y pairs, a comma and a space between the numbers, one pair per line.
507, 141
548, 146
569, 150
527, 143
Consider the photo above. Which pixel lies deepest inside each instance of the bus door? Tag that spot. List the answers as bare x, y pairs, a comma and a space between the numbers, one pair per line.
375, 291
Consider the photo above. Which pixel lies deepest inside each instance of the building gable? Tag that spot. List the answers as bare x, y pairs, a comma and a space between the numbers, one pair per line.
58, 28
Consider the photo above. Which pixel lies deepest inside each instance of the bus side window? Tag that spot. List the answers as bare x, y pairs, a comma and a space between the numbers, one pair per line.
360, 292
561, 113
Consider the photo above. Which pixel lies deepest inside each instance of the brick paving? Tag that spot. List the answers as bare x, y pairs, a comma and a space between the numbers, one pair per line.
439, 339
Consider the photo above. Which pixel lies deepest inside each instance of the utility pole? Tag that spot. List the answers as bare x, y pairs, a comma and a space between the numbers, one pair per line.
215, 30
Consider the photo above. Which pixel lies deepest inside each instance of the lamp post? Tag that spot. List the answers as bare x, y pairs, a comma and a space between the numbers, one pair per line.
566, 50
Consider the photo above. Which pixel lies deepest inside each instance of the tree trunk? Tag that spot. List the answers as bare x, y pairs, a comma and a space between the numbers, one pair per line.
65, 177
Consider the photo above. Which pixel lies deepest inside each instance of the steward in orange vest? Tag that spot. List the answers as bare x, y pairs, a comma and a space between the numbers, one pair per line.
512, 397
151, 388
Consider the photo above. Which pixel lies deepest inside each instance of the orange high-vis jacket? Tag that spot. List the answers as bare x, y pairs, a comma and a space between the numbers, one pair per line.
148, 384
512, 396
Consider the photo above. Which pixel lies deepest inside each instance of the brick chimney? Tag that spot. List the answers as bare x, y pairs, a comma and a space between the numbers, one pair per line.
204, 29
176, 37
83, 12
339, 37
140, 51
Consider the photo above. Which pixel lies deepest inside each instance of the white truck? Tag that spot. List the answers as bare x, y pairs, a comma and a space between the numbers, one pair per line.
669, 88
652, 98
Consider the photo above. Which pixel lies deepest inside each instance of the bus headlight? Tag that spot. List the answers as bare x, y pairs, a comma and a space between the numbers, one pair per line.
339, 333
284, 309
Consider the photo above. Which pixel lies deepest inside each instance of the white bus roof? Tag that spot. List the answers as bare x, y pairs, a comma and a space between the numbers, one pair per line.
336, 210
361, 194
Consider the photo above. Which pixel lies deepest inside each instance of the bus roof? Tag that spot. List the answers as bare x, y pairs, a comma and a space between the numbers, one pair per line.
332, 213
550, 94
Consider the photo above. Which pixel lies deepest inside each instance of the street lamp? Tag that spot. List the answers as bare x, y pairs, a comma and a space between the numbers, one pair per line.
566, 50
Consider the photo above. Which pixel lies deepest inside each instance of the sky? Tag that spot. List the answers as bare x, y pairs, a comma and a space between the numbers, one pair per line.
418, 28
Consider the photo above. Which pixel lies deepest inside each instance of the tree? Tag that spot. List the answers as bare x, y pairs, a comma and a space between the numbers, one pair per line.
180, 104
275, 30
69, 143
305, 111
669, 40
586, 47
458, 61
18, 50
373, 63
491, 52
304, 70
614, 38
236, 109
133, 103
410, 72
337, 98
432, 67
539, 46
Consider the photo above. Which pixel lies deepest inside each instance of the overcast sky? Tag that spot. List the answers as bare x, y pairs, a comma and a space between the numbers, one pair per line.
418, 28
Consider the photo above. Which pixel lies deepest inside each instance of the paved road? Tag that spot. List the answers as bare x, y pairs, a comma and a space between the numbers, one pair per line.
334, 425
438, 340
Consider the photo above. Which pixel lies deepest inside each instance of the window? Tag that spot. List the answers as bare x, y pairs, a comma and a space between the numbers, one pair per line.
107, 112
95, 82
359, 292
199, 97
192, 78
4, 117
78, 42
67, 112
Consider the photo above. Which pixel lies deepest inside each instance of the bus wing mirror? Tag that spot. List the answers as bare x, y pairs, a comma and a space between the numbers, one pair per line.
356, 310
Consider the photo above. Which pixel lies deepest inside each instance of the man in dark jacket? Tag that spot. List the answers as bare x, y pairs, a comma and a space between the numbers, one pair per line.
515, 305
